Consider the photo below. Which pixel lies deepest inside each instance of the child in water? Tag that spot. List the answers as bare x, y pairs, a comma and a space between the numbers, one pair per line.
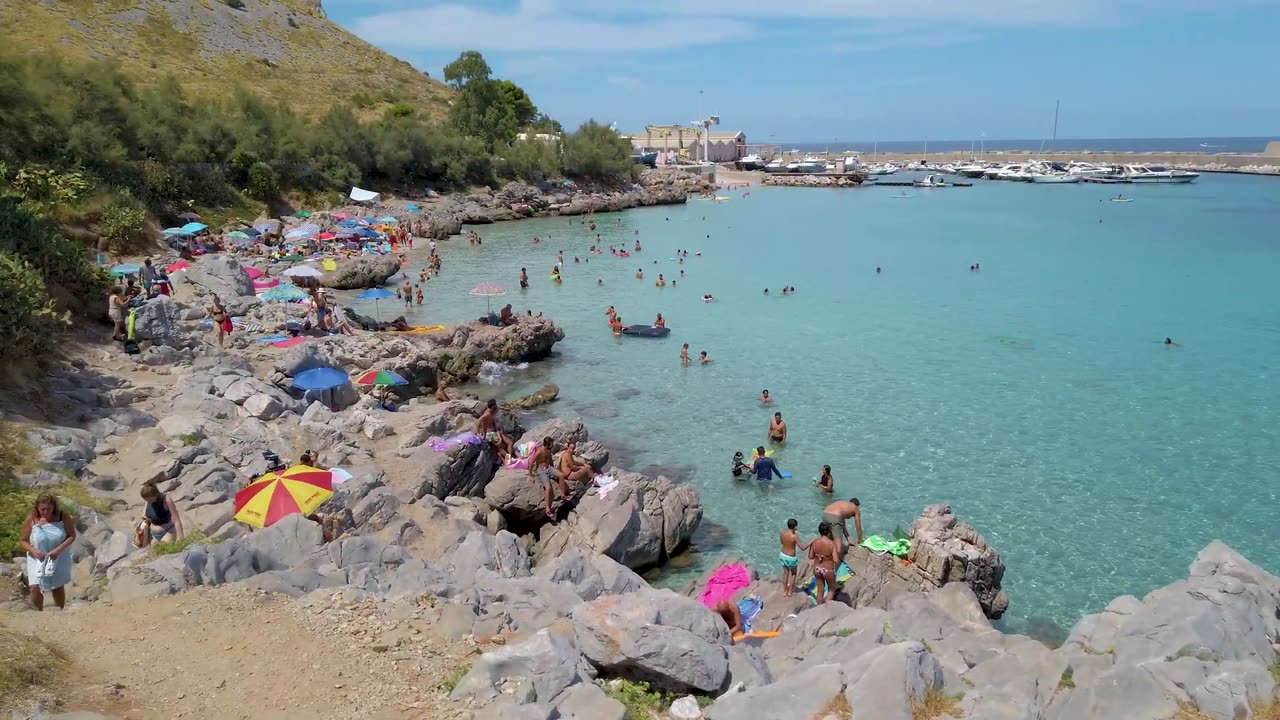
739, 466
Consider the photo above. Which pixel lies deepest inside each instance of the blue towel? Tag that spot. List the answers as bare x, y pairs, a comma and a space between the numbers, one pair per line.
750, 607
272, 338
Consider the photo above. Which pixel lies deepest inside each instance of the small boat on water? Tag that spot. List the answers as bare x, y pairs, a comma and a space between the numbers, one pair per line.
1157, 174
930, 181
1054, 178
1121, 198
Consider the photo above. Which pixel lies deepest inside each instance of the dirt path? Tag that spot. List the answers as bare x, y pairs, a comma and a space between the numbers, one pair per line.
231, 653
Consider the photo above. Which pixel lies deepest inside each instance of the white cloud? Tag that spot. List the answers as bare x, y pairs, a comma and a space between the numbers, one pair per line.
536, 25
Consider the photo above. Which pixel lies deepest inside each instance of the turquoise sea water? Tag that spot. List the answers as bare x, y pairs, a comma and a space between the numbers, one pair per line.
1035, 395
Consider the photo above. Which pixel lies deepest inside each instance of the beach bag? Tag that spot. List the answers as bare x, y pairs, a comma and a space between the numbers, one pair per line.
226, 324
131, 347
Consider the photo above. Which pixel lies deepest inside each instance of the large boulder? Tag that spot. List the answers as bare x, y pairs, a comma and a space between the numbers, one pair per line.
887, 681
222, 275
158, 321
640, 523
362, 272
802, 696
591, 578
943, 550
538, 669
673, 643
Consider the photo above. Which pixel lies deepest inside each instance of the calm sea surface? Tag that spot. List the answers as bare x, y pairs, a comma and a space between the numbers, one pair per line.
1235, 145
1035, 396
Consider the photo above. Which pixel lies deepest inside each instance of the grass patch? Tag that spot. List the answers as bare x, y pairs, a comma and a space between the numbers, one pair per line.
16, 502
1067, 680
454, 677
1109, 650
841, 633
26, 662
195, 537
642, 701
935, 704
1275, 669
837, 708
190, 439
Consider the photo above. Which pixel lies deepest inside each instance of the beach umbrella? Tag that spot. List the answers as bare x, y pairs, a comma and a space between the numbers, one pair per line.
175, 232
298, 234
253, 272
412, 208
339, 475
365, 232
326, 236
300, 489
188, 216
488, 291
388, 219
351, 222
381, 377
260, 284
180, 265
195, 227
285, 293
321, 378
341, 215
375, 295
303, 271
251, 232
125, 269
238, 238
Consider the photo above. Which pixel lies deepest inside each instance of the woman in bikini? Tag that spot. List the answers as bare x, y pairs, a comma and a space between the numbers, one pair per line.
218, 313
822, 551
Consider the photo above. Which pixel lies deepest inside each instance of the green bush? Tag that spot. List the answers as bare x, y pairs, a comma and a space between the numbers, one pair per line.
60, 261
195, 537
529, 160
29, 319
121, 223
596, 152
263, 183
16, 502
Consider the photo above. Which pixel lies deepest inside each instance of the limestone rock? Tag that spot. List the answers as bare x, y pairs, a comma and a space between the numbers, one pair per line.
801, 696
683, 646
362, 272
263, 407
884, 682
158, 321
221, 275
546, 664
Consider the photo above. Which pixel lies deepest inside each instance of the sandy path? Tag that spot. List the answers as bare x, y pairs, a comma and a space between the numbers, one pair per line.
231, 653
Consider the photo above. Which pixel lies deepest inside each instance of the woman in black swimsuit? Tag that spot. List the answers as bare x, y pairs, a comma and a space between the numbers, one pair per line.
161, 516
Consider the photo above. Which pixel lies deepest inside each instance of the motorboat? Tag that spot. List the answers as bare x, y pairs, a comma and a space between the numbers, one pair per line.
882, 169
973, 170
1157, 174
1084, 169
776, 166
1049, 178
751, 162
641, 157
929, 181
811, 165
1003, 172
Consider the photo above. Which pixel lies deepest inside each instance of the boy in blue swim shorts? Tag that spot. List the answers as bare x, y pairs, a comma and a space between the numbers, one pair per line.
790, 562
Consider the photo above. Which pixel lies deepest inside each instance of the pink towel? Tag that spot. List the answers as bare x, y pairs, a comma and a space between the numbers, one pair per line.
724, 583
290, 342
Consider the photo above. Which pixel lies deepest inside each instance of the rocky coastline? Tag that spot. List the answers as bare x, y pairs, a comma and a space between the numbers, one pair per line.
821, 181
551, 611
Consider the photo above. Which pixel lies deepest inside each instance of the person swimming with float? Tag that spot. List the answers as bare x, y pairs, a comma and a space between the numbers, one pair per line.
739, 465
659, 322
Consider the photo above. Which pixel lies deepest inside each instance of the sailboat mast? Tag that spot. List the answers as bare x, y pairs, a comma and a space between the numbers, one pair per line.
1056, 105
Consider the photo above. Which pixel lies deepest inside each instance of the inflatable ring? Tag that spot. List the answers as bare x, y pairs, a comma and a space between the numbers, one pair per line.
646, 331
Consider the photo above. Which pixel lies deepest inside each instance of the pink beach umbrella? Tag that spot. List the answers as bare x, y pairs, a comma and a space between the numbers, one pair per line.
488, 291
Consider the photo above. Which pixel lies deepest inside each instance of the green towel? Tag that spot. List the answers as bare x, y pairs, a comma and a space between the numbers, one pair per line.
879, 545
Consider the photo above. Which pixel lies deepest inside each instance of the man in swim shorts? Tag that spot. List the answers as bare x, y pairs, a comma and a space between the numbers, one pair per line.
777, 429
790, 563
731, 615
763, 466
837, 515
542, 469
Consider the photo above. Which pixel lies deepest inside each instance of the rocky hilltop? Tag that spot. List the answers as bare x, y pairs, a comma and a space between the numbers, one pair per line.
287, 50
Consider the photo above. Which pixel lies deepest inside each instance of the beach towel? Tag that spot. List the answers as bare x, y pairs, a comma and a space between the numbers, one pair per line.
723, 583
880, 546
517, 463
843, 575
750, 607
290, 342
605, 485
329, 265
131, 325
271, 338
447, 444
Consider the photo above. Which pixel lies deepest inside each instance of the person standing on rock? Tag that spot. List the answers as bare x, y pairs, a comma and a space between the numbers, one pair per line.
837, 514
115, 311
787, 556
823, 551
487, 428
46, 534
160, 516
218, 313
541, 469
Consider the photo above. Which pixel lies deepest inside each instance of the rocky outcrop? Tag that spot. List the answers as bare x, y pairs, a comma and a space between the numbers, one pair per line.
362, 272
825, 181
640, 522
222, 275
943, 550
159, 321
546, 394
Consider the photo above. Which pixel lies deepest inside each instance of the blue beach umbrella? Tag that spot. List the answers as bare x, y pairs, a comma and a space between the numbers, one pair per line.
321, 378
195, 227
388, 219
172, 232
413, 208
375, 295
365, 232
125, 269
284, 293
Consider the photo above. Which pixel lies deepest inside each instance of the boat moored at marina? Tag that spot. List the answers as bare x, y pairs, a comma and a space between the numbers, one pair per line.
1156, 174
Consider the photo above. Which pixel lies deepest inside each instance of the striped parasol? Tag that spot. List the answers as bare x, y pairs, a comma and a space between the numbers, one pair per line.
300, 489
488, 291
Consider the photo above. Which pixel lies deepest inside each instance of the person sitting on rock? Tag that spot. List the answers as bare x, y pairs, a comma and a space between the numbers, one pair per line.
487, 428
506, 317
541, 468
571, 468
161, 518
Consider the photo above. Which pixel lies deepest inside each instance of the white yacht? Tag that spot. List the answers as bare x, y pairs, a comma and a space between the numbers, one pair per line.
751, 162
882, 169
1054, 177
776, 166
811, 165
929, 181
972, 170
1157, 174
1004, 172
1084, 169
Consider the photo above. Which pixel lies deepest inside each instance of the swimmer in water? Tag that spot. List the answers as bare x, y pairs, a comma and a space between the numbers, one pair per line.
616, 325
640, 273
660, 282
611, 313
707, 298
555, 273
1171, 343
766, 291
684, 354
599, 283
524, 279
777, 429
764, 398
658, 322
877, 270
702, 357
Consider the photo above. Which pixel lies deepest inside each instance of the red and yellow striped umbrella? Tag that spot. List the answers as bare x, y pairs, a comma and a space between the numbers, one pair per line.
300, 489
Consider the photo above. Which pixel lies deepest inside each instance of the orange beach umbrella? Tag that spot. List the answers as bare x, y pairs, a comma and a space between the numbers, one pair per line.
300, 489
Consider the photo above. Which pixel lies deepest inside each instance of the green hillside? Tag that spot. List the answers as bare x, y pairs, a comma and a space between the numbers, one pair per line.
286, 50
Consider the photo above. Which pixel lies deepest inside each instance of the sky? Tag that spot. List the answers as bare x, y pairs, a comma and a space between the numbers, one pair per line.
863, 70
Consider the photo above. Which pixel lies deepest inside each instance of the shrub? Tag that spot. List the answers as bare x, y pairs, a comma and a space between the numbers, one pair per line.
61, 262
121, 223
263, 183
454, 677
596, 152
529, 160
29, 319
195, 537
16, 501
